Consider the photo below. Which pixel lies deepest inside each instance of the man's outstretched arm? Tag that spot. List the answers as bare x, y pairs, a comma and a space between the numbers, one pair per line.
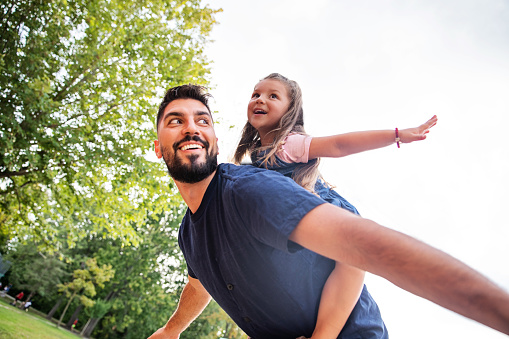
406, 262
192, 302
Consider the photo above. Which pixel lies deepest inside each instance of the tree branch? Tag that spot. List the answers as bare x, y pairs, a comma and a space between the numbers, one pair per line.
13, 189
9, 174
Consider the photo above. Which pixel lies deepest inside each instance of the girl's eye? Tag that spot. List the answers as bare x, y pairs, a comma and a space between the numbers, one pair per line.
255, 95
273, 96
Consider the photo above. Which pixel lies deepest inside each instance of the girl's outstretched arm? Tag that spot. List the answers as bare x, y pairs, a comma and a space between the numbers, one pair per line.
341, 145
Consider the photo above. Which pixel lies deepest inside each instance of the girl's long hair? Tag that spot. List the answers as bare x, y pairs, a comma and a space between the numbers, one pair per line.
292, 121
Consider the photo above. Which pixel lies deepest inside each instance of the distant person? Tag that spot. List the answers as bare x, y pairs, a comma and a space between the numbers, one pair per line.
274, 138
263, 247
27, 305
6, 290
18, 297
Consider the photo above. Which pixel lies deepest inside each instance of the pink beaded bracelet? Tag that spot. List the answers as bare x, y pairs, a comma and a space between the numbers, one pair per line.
397, 137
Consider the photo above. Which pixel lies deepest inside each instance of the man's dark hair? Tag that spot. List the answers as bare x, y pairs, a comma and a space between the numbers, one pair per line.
190, 91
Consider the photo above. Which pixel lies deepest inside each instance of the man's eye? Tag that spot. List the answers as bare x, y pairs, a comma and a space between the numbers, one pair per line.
174, 122
203, 121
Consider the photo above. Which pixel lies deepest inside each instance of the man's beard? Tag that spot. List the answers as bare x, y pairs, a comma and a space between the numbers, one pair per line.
193, 172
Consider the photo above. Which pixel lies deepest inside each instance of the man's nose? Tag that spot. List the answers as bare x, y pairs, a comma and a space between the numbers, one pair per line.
190, 128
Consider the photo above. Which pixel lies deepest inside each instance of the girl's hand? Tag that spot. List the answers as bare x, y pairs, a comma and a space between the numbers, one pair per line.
418, 133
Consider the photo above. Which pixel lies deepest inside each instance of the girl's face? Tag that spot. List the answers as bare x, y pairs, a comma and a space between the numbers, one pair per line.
269, 102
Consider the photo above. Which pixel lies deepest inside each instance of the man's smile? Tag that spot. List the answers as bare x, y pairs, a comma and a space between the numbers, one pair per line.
190, 146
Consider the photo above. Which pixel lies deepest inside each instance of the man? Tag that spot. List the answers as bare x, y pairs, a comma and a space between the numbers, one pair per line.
258, 243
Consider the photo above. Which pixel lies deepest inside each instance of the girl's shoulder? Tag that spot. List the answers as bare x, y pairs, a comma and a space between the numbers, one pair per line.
295, 148
296, 135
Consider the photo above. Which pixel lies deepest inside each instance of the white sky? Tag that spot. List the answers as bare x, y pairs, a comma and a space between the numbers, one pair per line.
379, 65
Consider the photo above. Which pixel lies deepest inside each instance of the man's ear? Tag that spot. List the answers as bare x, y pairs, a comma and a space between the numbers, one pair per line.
157, 149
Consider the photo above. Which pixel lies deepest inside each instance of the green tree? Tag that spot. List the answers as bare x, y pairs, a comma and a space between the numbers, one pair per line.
148, 276
34, 271
213, 323
84, 283
79, 82
97, 311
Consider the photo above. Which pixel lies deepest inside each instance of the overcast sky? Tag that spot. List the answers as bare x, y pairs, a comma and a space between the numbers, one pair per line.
380, 65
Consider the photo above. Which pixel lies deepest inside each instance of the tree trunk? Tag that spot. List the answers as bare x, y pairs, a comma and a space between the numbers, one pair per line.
65, 309
55, 308
85, 327
227, 330
92, 322
74, 316
30, 296
91, 326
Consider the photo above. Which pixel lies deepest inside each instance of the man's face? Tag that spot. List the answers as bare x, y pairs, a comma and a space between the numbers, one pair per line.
187, 141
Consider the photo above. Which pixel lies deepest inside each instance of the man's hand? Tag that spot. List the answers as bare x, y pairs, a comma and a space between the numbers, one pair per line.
406, 262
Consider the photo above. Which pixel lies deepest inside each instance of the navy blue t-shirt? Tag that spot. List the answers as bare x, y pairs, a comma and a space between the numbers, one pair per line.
237, 245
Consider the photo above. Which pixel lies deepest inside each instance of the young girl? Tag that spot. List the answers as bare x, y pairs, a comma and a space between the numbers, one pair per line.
274, 138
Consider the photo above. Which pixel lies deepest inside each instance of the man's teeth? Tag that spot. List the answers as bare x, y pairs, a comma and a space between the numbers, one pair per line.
192, 146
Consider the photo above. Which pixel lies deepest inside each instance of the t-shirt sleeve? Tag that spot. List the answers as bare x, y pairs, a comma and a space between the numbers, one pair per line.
179, 239
295, 148
191, 273
271, 206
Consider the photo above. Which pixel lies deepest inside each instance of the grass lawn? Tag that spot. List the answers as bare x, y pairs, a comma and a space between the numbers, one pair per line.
15, 323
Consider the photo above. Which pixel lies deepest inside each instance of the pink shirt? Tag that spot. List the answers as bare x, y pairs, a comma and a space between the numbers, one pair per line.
295, 148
